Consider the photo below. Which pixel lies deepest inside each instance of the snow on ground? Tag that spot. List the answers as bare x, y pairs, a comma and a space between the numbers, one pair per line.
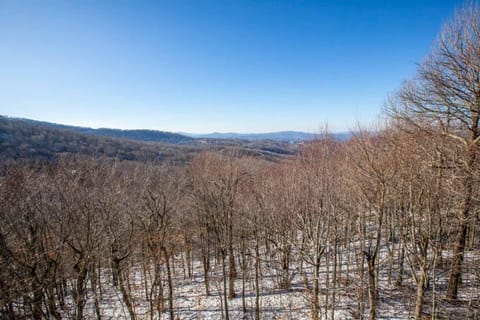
190, 301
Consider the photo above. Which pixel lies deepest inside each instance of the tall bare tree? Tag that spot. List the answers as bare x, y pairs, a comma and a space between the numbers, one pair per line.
316, 174
159, 217
375, 170
216, 183
421, 204
445, 97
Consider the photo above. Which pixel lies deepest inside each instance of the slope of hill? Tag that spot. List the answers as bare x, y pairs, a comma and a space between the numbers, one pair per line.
137, 135
29, 139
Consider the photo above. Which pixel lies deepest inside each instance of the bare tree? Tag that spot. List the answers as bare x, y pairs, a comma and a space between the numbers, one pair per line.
31, 241
80, 183
216, 182
159, 217
375, 171
445, 97
315, 185
422, 204
280, 208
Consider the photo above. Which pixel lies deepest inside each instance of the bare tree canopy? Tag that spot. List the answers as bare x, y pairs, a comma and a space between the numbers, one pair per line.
444, 98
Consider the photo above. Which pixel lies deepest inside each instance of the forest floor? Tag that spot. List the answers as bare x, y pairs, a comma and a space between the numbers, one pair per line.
190, 301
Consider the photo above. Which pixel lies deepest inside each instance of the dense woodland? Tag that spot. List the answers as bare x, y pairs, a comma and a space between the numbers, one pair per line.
393, 211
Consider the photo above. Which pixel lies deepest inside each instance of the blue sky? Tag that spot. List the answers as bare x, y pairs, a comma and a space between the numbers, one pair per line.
203, 66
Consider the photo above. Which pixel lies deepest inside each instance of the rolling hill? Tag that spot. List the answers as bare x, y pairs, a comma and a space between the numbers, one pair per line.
30, 139
137, 135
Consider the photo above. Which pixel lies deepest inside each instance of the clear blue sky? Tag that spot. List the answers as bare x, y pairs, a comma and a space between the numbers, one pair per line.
203, 66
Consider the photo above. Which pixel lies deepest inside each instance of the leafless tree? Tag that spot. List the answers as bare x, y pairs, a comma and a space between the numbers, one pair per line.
445, 97
422, 204
32, 241
315, 176
375, 171
159, 219
216, 182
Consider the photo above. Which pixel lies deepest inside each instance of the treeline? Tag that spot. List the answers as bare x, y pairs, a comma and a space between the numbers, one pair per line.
395, 209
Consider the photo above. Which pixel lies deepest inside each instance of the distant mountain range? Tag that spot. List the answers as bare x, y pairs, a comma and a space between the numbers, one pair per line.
286, 136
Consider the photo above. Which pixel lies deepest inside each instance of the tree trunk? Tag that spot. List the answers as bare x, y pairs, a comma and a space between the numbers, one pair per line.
232, 272
170, 284
52, 304
93, 282
335, 274
158, 285
37, 313
80, 294
316, 290
457, 261
466, 212
372, 290
257, 281
188, 256
285, 265
126, 296
206, 267
224, 271
420, 294
244, 275
401, 263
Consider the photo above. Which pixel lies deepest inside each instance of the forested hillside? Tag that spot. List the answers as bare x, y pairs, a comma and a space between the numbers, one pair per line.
137, 135
27, 139
22, 139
